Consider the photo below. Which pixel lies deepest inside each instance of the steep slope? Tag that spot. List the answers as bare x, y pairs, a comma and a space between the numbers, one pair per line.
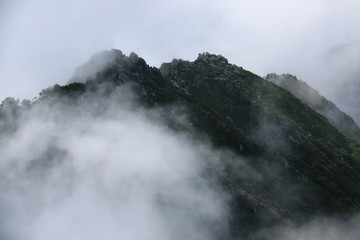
317, 102
297, 164
277, 121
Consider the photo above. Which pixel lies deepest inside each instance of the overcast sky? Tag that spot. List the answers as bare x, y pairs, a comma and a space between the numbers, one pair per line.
43, 41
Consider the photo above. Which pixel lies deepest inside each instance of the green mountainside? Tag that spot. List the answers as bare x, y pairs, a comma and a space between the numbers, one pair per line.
307, 166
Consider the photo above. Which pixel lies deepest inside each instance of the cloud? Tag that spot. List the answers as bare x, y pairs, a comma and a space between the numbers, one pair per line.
102, 168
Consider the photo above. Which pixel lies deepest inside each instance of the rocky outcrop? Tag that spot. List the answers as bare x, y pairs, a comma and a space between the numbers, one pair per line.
109, 64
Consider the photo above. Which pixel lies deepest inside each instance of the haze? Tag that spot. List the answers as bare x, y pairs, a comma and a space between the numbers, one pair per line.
86, 171
43, 41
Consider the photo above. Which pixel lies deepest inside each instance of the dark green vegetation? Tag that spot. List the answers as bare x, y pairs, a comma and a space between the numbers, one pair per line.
301, 164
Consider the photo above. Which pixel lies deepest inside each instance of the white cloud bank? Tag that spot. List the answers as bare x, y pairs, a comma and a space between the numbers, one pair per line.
102, 169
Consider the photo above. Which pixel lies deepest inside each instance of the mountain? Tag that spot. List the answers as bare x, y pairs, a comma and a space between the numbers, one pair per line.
294, 165
314, 100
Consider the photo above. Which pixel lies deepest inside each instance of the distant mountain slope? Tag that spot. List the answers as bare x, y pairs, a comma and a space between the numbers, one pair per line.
300, 165
317, 102
339, 70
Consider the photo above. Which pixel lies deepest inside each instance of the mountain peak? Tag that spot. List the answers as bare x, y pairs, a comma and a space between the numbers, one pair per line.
113, 59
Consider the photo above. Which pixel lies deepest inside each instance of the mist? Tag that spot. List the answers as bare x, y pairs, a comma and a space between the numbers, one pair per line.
317, 229
106, 168
336, 74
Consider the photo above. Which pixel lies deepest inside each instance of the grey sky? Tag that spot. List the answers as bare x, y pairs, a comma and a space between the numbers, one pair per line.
43, 41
